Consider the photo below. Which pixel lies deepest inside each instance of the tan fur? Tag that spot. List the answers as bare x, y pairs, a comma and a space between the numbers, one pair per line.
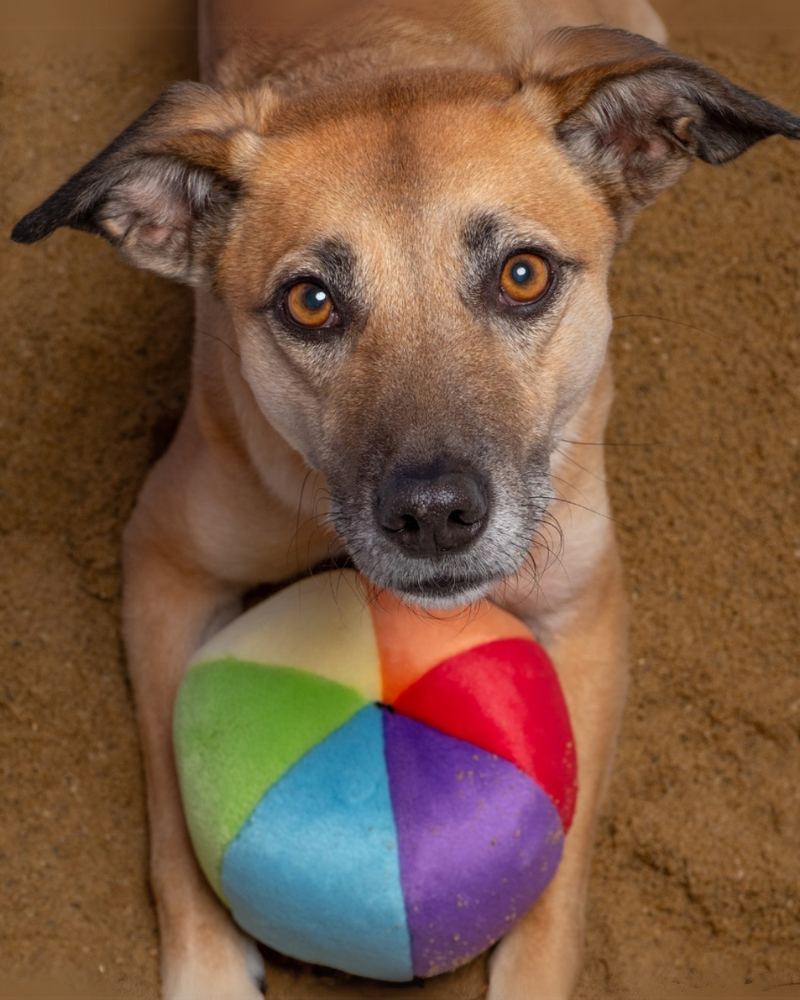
411, 148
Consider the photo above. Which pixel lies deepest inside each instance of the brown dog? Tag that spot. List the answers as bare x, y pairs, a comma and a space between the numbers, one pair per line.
399, 221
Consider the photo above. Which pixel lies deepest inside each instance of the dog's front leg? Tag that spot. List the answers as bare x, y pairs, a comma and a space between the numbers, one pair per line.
203, 956
541, 957
183, 530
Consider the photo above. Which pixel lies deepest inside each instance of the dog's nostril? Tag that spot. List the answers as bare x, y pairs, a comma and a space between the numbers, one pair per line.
395, 522
465, 518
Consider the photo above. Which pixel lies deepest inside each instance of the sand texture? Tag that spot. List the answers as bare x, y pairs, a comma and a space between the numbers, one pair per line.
696, 877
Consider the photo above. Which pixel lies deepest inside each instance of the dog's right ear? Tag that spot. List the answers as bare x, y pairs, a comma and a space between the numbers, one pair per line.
632, 115
165, 188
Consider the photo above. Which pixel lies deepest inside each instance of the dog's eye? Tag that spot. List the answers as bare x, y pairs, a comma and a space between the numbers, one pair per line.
310, 306
525, 278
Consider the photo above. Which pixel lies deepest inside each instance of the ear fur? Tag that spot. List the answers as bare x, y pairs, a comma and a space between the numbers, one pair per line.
164, 189
633, 115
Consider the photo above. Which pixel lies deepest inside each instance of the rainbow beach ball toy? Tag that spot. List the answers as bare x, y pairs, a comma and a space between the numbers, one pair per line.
371, 787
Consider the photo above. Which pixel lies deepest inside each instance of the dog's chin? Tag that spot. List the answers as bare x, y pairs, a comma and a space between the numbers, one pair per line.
442, 593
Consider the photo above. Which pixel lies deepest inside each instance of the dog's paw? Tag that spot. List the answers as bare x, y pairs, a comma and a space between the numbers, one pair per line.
233, 971
535, 967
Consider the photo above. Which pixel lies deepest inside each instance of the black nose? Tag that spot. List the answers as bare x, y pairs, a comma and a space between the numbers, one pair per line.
430, 511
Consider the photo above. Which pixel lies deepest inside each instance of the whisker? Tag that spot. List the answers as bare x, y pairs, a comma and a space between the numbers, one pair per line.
213, 336
612, 444
297, 528
583, 468
675, 322
322, 520
581, 506
561, 498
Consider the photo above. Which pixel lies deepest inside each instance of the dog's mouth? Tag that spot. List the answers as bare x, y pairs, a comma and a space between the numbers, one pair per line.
448, 584
445, 590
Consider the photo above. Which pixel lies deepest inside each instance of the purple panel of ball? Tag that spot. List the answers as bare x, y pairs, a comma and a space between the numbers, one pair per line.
479, 842
314, 871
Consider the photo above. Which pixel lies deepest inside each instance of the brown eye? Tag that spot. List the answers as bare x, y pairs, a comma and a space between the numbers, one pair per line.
310, 305
525, 278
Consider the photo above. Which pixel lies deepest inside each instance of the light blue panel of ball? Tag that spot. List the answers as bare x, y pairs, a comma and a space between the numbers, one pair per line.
315, 871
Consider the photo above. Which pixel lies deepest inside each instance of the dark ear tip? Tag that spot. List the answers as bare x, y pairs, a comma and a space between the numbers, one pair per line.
788, 125
30, 229
19, 232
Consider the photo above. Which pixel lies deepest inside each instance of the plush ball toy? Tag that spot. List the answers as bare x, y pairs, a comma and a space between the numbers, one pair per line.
372, 787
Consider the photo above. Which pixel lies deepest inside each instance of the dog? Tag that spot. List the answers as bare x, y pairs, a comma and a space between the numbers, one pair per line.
398, 219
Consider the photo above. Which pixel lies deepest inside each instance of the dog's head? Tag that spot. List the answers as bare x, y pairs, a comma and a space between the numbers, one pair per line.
415, 267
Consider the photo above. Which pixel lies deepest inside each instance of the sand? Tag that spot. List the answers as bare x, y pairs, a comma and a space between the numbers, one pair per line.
696, 879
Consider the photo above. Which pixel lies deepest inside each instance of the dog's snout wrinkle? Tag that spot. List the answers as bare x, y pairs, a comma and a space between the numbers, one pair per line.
429, 511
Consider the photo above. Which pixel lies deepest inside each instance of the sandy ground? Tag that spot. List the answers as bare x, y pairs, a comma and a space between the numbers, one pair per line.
696, 879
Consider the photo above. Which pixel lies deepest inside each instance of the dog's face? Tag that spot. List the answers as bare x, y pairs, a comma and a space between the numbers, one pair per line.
417, 282
416, 272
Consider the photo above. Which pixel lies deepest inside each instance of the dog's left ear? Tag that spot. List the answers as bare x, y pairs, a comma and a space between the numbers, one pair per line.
633, 115
166, 188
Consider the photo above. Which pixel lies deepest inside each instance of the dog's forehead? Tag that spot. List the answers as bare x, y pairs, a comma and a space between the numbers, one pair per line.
422, 157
